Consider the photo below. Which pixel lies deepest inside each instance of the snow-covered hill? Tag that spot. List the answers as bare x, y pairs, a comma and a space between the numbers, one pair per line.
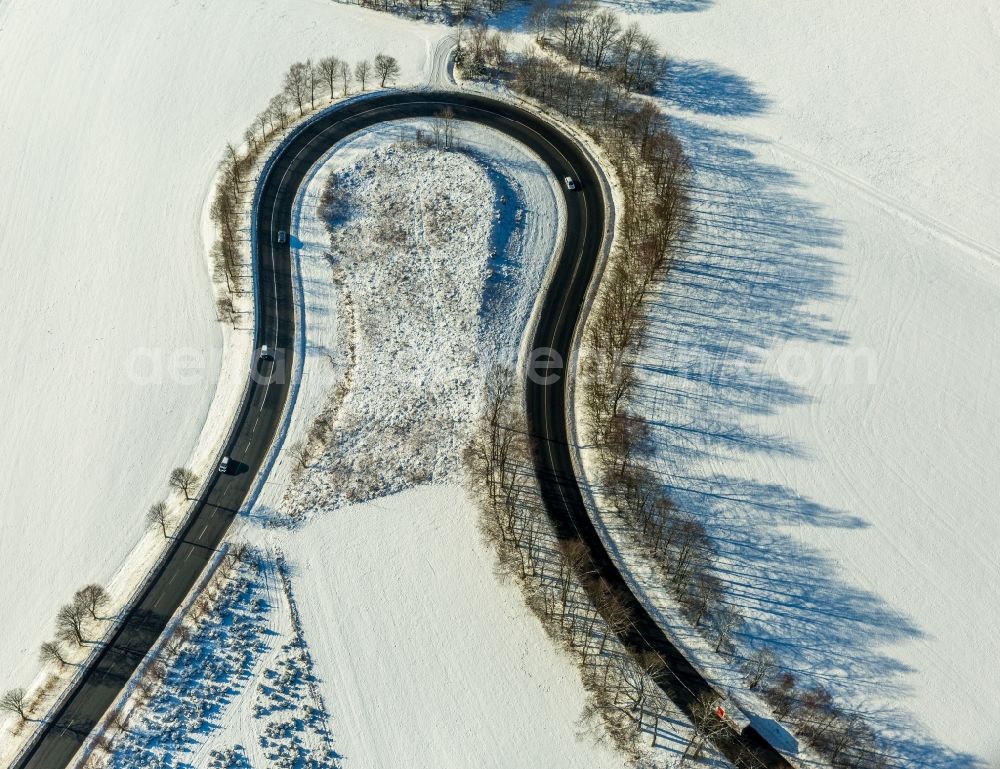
115, 115
825, 365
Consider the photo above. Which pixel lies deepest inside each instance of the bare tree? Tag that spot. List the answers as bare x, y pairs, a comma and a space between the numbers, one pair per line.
157, 516
816, 713
464, 9
296, 85
725, 621
263, 122
539, 18
362, 71
659, 706
781, 696
758, 666
459, 37
442, 128
846, 735
69, 623
329, 70
180, 637
490, 456
231, 166
15, 701
250, 137
344, 73
224, 213
93, 597
277, 109
302, 454
474, 59
314, 78
638, 677
386, 68
51, 651
613, 609
704, 594
118, 718
157, 671
225, 310
496, 50
601, 32
446, 117
184, 480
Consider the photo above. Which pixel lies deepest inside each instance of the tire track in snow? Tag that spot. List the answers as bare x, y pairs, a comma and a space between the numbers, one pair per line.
896, 207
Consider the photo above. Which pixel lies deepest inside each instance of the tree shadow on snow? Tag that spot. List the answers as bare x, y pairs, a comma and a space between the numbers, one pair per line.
758, 272
703, 87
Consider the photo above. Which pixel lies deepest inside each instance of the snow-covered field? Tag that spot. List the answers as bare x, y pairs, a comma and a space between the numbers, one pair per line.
824, 371
427, 660
115, 116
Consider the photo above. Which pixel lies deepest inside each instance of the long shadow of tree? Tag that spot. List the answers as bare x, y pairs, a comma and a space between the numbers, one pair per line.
700, 86
755, 274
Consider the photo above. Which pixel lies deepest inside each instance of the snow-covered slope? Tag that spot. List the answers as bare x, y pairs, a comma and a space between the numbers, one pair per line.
825, 363
427, 660
115, 115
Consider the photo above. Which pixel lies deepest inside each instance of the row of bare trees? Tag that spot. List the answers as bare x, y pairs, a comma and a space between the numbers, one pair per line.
74, 620
229, 578
843, 737
307, 82
73, 630
653, 170
579, 609
181, 479
594, 37
305, 86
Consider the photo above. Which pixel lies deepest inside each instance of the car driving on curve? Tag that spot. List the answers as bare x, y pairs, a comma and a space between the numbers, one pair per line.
570, 183
282, 236
265, 353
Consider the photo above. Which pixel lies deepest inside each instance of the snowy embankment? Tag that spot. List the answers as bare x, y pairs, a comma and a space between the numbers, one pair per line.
822, 377
115, 118
421, 656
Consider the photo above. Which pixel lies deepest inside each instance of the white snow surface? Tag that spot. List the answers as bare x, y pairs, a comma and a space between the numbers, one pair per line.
824, 368
115, 116
424, 658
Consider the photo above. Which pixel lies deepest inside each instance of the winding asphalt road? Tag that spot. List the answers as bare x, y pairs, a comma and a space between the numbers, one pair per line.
261, 411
